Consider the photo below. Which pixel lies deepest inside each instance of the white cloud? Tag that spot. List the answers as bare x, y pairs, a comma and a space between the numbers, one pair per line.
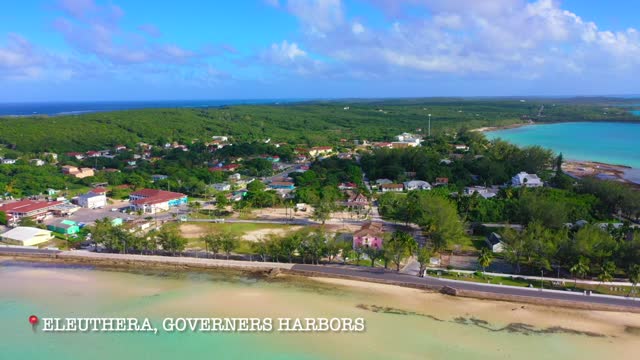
284, 53
503, 38
357, 28
317, 16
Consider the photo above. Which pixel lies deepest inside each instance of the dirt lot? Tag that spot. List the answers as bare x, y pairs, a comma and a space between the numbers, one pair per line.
250, 232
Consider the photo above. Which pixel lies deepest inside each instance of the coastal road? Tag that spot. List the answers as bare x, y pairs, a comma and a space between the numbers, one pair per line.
386, 275
362, 273
11, 250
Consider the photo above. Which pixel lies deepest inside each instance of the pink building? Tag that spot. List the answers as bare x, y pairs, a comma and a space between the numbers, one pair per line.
369, 235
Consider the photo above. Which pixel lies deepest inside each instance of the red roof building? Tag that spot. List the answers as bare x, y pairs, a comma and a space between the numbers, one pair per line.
28, 208
153, 200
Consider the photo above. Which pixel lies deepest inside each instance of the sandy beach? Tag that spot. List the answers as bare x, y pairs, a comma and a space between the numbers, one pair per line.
497, 312
580, 169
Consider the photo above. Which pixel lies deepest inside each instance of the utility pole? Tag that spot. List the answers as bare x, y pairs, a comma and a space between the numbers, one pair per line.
429, 125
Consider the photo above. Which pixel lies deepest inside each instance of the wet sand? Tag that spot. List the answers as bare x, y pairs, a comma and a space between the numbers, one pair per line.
501, 312
401, 323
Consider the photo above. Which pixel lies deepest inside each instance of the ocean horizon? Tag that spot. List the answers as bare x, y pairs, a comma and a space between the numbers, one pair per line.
58, 108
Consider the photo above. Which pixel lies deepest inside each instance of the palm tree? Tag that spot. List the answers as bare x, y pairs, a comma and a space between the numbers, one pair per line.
579, 269
634, 276
485, 258
606, 272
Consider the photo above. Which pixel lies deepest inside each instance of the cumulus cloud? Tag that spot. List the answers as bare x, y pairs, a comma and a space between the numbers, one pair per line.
318, 16
96, 30
290, 57
506, 38
19, 59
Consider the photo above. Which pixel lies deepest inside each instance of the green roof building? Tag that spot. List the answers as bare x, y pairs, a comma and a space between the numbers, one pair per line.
66, 227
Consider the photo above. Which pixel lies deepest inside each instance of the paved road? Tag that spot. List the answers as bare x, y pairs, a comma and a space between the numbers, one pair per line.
392, 276
21, 251
379, 274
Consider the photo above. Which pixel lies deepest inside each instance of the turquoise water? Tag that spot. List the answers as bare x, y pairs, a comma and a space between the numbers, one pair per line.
612, 143
419, 326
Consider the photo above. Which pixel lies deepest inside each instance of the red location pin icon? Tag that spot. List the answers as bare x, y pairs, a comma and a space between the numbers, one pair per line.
33, 320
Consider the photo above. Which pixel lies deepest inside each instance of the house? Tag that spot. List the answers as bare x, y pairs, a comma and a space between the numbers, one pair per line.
383, 182
155, 178
36, 210
416, 185
526, 180
281, 185
8, 161
370, 235
220, 138
461, 147
94, 199
119, 148
76, 155
320, 150
151, 201
221, 187
76, 172
37, 162
409, 140
347, 186
65, 227
442, 181
230, 167
392, 187
356, 200
234, 177
238, 195
494, 240
26, 236
446, 161
485, 192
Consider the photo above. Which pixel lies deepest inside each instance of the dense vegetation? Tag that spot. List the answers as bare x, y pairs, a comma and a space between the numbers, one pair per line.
321, 123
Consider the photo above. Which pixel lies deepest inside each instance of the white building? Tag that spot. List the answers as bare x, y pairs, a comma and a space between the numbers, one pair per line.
417, 185
495, 243
526, 180
485, 192
8, 161
221, 187
92, 201
95, 198
26, 236
409, 139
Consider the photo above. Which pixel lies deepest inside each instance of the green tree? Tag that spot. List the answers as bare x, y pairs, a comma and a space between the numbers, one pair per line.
3, 218
633, 273
170, 239
606, 272
423, 257
399, 246
580, 269
290, 244
485, 258
228, 242
373, 254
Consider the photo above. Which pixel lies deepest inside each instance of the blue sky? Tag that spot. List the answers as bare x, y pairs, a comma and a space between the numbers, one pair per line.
70, 50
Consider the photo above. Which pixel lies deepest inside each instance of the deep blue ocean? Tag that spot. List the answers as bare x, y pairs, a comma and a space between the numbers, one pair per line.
70, 108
